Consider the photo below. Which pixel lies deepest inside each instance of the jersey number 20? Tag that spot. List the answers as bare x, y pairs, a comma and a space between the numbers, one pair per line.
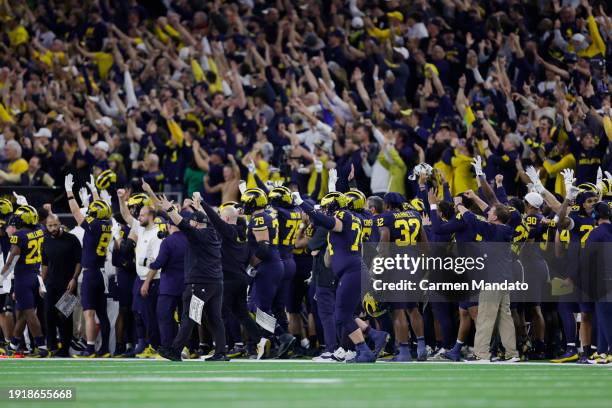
34, 256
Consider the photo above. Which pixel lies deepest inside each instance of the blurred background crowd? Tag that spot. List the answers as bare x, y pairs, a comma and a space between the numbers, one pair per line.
195, 95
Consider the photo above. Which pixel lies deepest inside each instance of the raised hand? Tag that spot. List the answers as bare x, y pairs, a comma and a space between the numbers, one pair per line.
69, 183
477, 164
297, 199
84, 196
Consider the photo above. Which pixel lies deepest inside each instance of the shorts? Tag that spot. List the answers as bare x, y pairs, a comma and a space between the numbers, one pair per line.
26, 290
92, 290
467, 305
586, 307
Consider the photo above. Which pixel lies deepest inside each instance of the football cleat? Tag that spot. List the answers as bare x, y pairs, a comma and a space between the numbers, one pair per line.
421, 352
452, 355
78, 344
365, 356
263, 348
584, 359
148, 352
170, 354
326, 357
103, 355
236, 352
515, 359
380, 339
39, 353
599, 358
84, 354
438, 355
401, 358
218, 357
570, 355
339, 355
286, 344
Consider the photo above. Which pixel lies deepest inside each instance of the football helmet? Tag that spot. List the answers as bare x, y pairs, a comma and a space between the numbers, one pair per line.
355, 200
253, 199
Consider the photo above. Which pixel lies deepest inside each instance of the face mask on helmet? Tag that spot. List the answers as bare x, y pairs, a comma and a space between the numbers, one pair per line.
253, 199
24, 216
356, 200
99, 210
333, 202
281, 197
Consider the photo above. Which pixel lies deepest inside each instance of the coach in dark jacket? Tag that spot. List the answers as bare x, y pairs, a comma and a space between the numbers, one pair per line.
203, 278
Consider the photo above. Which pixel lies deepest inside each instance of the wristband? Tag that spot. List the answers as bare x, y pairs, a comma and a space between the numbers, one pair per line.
433, 207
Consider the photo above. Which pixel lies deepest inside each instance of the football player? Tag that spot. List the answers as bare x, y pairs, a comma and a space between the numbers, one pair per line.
344, 253
6, 315
402, 227
97, 236
289, 219
263, 241
25, 258
601, 234
579, 224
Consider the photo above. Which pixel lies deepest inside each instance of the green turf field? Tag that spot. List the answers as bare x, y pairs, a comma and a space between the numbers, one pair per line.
144, 384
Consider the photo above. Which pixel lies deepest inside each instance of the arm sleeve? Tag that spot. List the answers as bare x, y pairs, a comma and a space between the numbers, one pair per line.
189, 231
598, 42
554, 168
444, 228
500, 193
224, 228
318, 218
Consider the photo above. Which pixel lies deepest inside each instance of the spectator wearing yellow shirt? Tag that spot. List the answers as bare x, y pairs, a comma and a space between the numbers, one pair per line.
17, 33
16, 165
460, 159
391, 160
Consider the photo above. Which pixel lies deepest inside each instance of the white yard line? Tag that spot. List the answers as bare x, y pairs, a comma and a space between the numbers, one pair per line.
199, 380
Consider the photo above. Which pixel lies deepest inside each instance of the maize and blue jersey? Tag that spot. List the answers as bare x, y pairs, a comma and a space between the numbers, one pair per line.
96, 239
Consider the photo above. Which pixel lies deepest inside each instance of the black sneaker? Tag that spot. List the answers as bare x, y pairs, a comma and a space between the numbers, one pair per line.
78, 344
218, 357
286, 343
237, 351
170, 354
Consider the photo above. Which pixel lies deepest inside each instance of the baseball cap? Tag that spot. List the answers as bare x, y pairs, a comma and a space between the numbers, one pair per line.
102, 145
402, 51
199, 217
43, 132
534, 199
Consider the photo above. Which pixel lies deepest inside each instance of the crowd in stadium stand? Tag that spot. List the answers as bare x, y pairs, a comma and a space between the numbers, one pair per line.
370, 88
395, 96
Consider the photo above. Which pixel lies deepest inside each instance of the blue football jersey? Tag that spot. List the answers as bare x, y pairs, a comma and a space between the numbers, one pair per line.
404, 226
346, 243
29, 243
95, 242
289, 221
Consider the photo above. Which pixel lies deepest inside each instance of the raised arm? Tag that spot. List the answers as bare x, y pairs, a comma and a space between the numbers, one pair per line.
74, 206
